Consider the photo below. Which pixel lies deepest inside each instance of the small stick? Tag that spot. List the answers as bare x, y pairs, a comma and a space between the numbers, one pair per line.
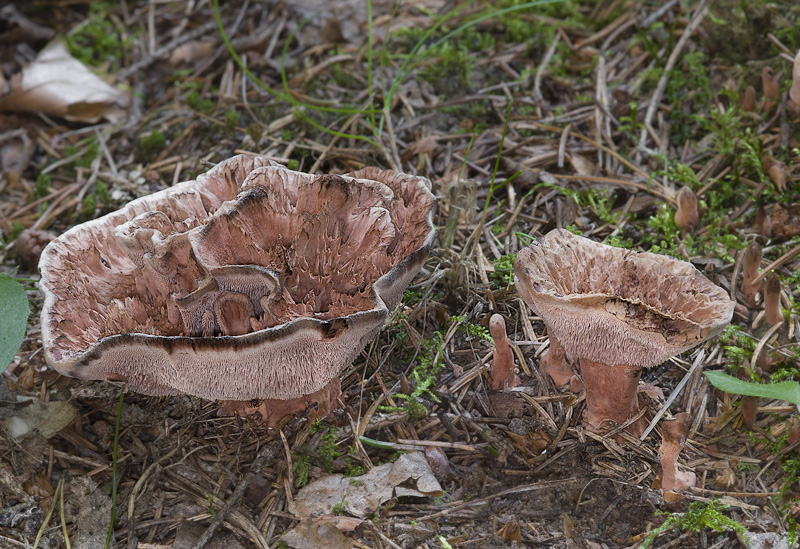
697, 361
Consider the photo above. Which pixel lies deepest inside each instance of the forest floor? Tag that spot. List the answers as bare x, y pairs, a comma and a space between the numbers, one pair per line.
589, 116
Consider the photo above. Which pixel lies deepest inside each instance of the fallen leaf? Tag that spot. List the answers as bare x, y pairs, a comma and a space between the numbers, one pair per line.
359, 496
46, 417
316, 534
57, 84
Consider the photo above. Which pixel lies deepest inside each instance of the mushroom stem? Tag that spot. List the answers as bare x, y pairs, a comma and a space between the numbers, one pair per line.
687, 216
553, 363
750, 264
674, 433
316, 405
503, 365
611, 395
772, 300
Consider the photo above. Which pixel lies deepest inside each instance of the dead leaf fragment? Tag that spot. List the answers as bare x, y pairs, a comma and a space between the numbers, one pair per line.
57, 84
46, 417
359, 496
316, 534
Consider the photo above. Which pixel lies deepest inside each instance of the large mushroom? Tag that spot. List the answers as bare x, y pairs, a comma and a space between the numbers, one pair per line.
617, 311
251, 282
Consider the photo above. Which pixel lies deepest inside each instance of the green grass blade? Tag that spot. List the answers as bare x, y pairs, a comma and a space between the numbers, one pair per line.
110, 534
785, 390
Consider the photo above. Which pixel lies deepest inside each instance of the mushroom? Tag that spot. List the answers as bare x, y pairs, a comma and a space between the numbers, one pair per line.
554, 363
771, 88
251, 282
674, 432
794, 90
750, 264
687, 216
772, 300
503, 376
749, 99
617, 311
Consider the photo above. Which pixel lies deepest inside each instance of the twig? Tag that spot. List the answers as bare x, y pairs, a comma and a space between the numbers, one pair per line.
696, 364
267, 454
166, 49
697, 18
777, 263
537, 81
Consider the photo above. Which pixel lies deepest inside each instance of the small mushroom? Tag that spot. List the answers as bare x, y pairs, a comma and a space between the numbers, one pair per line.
251, 282
751, 262
771, 87
778, 172
554, 363
503, 376
772, 300
674, 432
687, 216
794, 91
749, 99
617, 311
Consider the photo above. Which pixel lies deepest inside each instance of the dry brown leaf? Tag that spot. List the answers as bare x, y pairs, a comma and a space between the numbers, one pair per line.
316, 534
581, 164
57, 84
359, 496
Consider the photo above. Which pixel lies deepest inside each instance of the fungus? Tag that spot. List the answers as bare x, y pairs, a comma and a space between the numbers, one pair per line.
749, 99
251, 282
687, 216
794, 91
617, 311
771, 87
554, 363
674, 432
772, 300
503, 365
750, 264
778, 172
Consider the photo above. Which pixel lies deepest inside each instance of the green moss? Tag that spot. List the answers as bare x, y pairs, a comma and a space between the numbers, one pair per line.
699, 517
195, 101
232, 118
41, 187
152, 143
97, 41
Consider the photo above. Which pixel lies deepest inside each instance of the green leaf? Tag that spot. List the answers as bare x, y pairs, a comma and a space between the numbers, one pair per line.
13, 318
785, 390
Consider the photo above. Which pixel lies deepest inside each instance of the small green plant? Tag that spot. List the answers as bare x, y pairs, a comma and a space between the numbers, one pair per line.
210, 509
503, 275
14, 313
423, 376
472, 329
700, 516
339, 508
629, 122
445, 543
